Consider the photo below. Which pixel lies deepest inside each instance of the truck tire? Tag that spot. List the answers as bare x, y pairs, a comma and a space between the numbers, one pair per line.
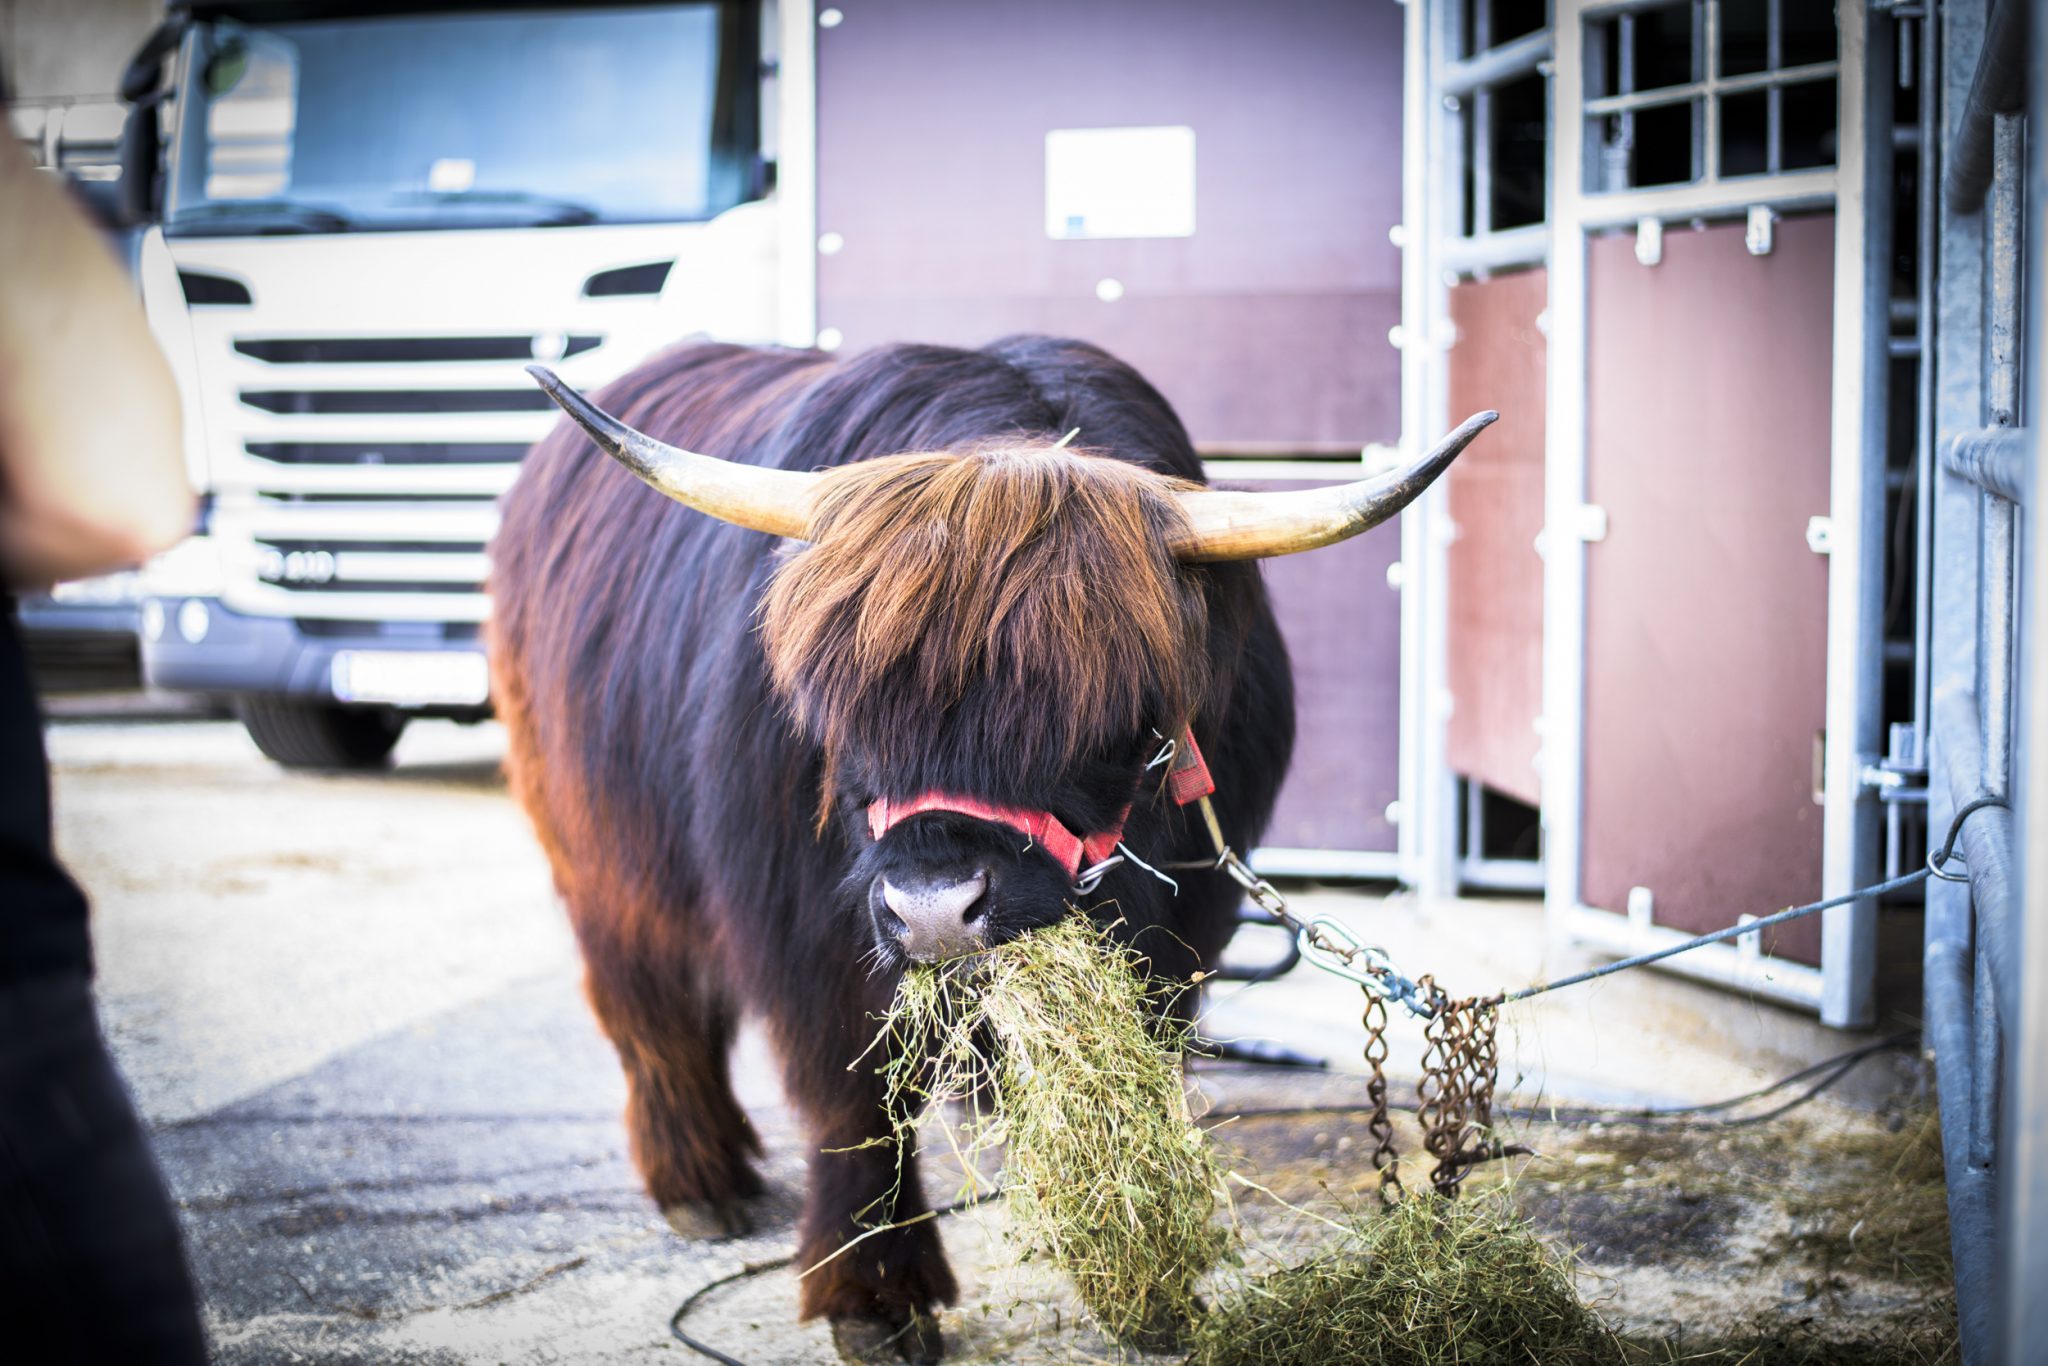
300, 734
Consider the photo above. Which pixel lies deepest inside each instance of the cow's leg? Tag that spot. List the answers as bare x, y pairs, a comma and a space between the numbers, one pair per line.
872, 1265
690, 1139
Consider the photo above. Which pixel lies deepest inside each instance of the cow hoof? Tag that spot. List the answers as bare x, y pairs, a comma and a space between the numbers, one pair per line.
708, 1219
915, 1340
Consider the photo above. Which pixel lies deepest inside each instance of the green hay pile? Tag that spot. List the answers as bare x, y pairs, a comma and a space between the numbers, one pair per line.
1108, 1179
1883, 1209
1426, 1283
1104, 1173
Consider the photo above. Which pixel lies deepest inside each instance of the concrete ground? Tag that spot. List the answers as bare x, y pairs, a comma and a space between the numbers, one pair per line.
349, 1009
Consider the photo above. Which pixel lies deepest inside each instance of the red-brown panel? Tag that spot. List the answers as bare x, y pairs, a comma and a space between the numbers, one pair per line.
1706, 613
1343, 628
1494, 591
1267, 327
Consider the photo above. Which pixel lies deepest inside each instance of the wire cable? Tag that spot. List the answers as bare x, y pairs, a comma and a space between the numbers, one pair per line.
1936, 867
749, 1270
1835, 1069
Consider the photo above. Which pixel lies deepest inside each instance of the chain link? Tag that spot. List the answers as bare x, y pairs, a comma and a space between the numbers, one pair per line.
1384, 1159
1325, 942
1460, 1063
1460, 1066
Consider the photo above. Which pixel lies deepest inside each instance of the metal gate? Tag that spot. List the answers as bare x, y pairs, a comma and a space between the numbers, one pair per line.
1707, 466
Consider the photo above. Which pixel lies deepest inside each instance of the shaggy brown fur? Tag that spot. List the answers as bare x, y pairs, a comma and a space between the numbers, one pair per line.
1001, 621
1039, 569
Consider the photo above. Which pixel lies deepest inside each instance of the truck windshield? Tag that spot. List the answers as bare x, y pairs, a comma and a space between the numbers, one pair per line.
527, 118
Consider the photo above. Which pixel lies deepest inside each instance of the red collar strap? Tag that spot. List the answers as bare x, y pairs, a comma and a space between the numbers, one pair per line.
1187, 779
1069, 850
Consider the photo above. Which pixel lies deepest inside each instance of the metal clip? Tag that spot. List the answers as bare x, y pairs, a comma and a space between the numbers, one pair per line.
1091, 876
1263, 893
1331, 946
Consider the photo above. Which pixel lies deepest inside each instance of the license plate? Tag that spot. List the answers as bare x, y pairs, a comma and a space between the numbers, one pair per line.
415, 678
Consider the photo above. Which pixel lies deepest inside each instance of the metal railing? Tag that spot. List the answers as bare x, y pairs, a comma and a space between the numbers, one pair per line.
1975, 980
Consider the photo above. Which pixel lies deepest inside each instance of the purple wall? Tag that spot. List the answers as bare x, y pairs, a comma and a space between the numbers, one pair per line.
1268, 326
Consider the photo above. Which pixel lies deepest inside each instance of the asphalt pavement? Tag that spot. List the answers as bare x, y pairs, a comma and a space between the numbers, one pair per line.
349, 1008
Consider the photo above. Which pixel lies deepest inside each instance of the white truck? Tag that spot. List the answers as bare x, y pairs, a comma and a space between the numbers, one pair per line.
367, 218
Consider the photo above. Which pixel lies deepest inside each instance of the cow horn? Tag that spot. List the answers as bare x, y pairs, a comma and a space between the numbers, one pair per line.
775, 501
1255, 526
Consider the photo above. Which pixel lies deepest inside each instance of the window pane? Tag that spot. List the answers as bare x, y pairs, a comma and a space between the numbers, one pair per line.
1519, 148
471, 119
1743, 39
1468, 215
1745, 132
1809, 34
1663, 47
1663, 145
1809, 125
1513, 18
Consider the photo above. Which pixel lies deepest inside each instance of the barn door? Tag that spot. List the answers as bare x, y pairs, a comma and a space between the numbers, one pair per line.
1706, 608
1494, 583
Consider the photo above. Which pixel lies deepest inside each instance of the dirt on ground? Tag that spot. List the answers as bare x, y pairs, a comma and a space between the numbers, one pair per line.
350, 1012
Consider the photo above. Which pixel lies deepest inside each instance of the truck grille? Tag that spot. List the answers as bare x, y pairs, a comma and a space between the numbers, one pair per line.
386, 452
407, 350
364, 470
346, 566
527, 400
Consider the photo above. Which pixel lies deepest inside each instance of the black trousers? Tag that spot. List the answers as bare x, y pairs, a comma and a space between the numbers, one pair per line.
90, 1265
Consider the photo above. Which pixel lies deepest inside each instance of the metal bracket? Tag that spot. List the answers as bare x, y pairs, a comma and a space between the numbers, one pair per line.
1649, 240
1757, 236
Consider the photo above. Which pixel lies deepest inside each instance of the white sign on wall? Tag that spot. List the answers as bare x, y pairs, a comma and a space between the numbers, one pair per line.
1120, 182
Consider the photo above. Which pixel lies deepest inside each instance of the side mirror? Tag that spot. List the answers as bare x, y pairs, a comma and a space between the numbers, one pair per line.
141, 148
141, 156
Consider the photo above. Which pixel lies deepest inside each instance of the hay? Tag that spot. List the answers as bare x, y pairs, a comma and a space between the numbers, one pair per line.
1108, 1179
1105, 1175
1427, 1283
1882, 1207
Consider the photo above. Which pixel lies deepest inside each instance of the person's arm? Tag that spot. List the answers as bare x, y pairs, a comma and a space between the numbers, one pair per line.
92, 476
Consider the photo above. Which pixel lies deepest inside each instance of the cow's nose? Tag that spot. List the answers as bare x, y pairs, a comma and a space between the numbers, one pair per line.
939, 919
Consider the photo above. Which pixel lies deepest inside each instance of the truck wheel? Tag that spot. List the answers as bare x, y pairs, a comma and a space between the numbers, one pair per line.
320, 734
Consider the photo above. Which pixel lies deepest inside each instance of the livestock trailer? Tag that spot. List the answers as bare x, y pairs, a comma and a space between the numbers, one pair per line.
1756, 283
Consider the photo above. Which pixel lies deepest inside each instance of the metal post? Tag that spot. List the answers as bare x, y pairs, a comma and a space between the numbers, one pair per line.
1564, 480
2023, 1268
1996, 87
1959, 931
1929, 152
1427, 829
796, 173
1995, 551
1853, 829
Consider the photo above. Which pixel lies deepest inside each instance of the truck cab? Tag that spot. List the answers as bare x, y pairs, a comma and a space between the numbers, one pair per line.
367, 219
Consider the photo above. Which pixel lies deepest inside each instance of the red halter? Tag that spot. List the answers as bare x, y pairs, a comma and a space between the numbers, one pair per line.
1040, 827
1187, 779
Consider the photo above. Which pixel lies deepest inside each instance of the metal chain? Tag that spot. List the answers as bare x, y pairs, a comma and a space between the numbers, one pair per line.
1384, 1159
1459, 1061
1438, 1104
1460, 1066
1325, 942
